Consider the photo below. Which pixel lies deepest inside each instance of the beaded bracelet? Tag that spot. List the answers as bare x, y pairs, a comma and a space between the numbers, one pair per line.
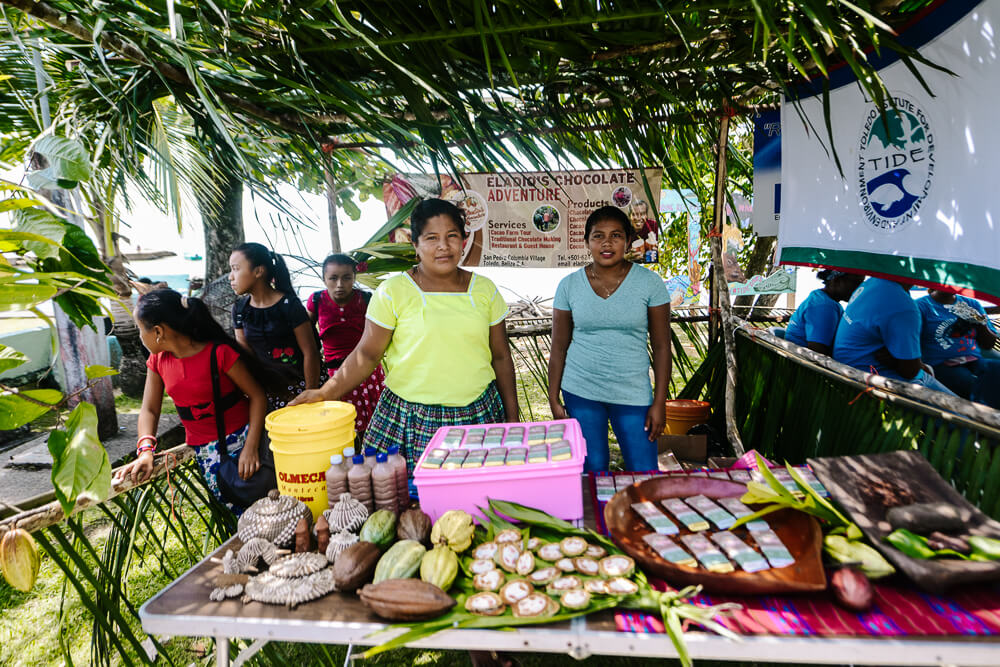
145, 443
145, 448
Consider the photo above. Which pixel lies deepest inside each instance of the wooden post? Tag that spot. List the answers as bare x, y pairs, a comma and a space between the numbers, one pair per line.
721, 288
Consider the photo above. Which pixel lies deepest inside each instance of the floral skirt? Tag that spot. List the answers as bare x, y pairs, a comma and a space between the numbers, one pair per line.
365, 398
208, 458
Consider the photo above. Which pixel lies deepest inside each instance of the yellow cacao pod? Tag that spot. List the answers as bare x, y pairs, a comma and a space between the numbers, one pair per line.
19, 559
454, 529
439, 567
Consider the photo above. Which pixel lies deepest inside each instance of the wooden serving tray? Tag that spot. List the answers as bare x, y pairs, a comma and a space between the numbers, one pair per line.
867, 486
799, 532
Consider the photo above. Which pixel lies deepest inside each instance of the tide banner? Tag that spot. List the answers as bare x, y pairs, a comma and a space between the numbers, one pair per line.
917, 198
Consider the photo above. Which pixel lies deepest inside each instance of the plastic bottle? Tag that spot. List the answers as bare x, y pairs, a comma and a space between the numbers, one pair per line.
399, 467
384, 483
370, 457
336, 480
348, 457
359, 481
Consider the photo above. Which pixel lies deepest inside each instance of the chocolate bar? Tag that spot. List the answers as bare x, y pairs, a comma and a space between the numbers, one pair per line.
538, 454
622, 481
685, 514
739, 552
475, 459
774, 549
605, 487
655, 518
742, 476
811, 480
736, 507
495, 457
710, 558
434, 458
454, 459
668, 550
516, 456
560, 451
708, 509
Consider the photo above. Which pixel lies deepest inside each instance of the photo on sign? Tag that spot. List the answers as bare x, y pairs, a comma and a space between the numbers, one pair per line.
545, 219
622, 196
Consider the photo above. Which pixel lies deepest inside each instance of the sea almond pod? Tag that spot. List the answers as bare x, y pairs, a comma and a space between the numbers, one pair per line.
322, 533
19, 559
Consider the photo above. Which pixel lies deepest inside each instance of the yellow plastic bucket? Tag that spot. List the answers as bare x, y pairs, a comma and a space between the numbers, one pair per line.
682, 414
303, 438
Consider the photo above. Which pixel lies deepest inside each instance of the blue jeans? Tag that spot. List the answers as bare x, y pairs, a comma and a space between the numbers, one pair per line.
925, 379
628, 423
977, 380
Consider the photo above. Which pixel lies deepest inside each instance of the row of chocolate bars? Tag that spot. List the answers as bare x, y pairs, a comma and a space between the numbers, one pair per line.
608, 485
498, 446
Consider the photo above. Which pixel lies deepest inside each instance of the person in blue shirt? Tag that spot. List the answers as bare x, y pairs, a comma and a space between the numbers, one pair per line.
954, 332
880, 333
602, 317
815, 321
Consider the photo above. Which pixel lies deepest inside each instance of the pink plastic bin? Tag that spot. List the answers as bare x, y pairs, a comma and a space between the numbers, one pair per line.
553, 486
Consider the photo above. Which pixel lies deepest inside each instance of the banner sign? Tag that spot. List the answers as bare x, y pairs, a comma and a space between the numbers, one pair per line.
536, 219
766, 173
917, 198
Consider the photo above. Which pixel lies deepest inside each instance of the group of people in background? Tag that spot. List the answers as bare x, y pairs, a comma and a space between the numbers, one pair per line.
439, 332
943, 341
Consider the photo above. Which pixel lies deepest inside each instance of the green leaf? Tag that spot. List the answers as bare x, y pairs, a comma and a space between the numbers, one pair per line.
16, 296
15, 411
40, 222
95, 371
68, 159
10, 358
8, 205
80, 464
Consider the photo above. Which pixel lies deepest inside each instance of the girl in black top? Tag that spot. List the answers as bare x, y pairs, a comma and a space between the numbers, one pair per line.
271, 322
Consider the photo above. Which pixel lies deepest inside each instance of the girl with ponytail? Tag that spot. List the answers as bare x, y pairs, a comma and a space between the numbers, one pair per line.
271, 323
183, 339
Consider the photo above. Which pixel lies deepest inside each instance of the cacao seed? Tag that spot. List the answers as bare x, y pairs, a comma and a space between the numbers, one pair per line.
405, 599
355, 566
851, 589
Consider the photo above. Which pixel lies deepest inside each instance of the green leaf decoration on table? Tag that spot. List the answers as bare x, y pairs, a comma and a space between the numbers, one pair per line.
670, 605
80, 466
19, 408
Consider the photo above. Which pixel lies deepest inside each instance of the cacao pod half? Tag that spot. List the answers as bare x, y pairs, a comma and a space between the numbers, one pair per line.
19, 559
439, 567
355, 566
401, 561
454, 528
414, 525
406, 599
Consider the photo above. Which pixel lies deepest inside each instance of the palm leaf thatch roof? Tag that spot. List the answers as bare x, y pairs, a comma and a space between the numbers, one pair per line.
497, 84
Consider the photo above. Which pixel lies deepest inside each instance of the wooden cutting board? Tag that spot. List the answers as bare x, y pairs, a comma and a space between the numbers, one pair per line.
867, 486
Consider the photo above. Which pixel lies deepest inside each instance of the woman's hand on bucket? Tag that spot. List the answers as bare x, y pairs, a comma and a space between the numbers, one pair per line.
308, 396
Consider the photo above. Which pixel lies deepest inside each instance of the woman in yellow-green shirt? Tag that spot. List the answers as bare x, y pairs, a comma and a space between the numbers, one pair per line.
440, 334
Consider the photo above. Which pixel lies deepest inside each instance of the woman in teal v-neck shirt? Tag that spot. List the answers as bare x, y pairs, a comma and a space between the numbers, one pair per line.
601, 319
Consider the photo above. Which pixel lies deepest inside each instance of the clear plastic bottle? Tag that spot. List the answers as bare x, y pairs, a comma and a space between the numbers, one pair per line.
402, 488
359, 481
336, 480
384, 483
348, 457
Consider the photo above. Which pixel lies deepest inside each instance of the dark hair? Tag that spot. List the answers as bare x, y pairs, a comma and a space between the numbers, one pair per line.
342, 259
612, 213
273, 263
429, 208
166, 306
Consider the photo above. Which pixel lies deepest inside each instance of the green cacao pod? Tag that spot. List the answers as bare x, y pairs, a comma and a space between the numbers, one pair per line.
439, 567
401, 561
454, 529
379, 529
19, 559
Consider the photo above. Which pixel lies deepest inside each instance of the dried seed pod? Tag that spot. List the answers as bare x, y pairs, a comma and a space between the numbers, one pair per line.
525, 563
587, 566
596, 587
622, 586
481, 565
544, 575
575, 598
536, 604
486, 550
563, 584
566, 565
322, 532
298, 565
595, 551
534, 543
616, 566
414, 525
485, 604
509, 536
348, 514
507, 556
338, 543
302, 538
488, 581
273, 518
253, 550
356, 565
406, 599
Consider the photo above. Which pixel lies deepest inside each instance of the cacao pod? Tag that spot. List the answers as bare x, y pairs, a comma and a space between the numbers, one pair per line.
401, 561
379, 529
454, 529
439, 567
414, 525
406, 599
355, 566
852, 589
19, 559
